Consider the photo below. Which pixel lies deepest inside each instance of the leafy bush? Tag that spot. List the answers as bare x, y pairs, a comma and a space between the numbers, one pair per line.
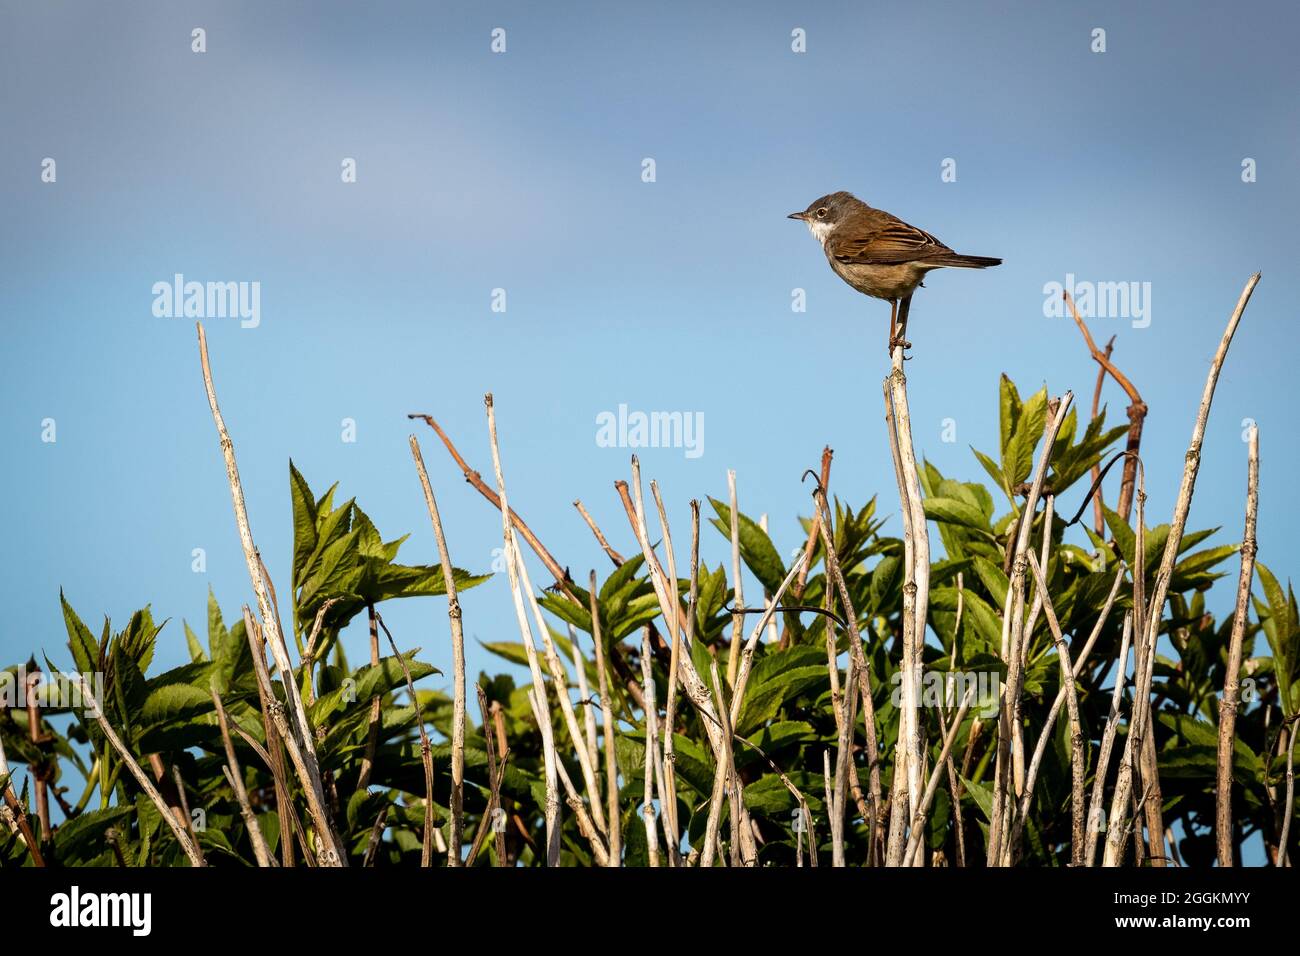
787, 731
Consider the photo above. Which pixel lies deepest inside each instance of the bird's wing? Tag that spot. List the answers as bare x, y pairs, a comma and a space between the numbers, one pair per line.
889, 241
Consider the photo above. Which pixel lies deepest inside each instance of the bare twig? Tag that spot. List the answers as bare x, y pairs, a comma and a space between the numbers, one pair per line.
614, 556
1098, 516
561, 680
1145, 640
648, 775
376, 835
923, 806
514, 562
456, 836
373, 721
236, 777
1045, 735
1013, 640
1096, 821
270, 618
13, 807
1137, 413
737, 586
488, 820
607, 718
835, 576
1077, 762
916, 598
512, 518
1284, 856
672, 835
178, 829
328, 856
291, 826
1232, 679
426, 752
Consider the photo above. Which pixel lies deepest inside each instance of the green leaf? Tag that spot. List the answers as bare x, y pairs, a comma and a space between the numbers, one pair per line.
756, 548
1018, 460
368, 682
994, 472
170, 702
513, 651
192, 643
1122, 533
85, 649
304, 523
764, 700
957, 512
82, 838
1008, 413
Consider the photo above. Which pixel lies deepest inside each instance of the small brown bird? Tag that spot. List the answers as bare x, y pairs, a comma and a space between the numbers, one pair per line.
879, 254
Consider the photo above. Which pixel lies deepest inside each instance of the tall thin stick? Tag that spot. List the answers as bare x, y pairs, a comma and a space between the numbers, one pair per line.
737, 586
236, 777
913, 850
1232, 680
694, 687
863, 673
1013, 628
457, 835
1284, 856
513, 563
178, 830
672, 835
1145, 642
1045, 735
607, 718
1096, 814
326, 854
560, 678
426, 753
270, 619
916, 590
1077, 763
651, 708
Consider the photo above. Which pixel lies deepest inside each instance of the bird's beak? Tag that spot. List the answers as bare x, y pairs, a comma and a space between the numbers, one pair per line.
798, 215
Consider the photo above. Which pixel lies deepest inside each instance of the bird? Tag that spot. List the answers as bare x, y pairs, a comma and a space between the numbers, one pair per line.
880, 255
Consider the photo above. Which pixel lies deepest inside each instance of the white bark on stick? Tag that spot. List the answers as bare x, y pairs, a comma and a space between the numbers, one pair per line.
458, 664
1232, 680
300, 725
177, 828
1000, 847
1096, 815
607, 719
1154, 611
514, 561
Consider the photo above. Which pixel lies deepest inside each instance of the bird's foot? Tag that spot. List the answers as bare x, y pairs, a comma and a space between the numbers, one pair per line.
896, 342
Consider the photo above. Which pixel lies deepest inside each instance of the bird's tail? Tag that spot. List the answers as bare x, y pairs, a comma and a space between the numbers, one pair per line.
958, 261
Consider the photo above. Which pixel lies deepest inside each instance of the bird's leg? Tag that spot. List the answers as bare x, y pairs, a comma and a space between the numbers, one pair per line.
898, 333
893, 328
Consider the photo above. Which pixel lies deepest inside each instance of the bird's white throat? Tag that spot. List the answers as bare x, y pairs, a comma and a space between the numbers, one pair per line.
820, 229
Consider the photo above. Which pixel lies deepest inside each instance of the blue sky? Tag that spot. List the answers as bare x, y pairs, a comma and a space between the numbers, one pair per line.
522, 171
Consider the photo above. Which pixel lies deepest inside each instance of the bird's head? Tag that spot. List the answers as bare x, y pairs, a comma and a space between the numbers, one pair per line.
824, 214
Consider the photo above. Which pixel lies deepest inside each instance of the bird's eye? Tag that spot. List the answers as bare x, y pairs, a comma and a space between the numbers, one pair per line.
821, 213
